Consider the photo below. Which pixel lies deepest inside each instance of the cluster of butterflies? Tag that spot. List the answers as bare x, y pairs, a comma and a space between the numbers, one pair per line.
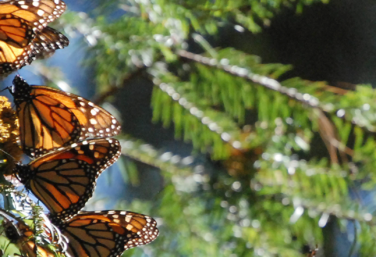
24, 34
54, 129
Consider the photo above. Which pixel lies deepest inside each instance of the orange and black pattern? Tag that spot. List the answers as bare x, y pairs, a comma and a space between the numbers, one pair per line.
107, 233
50, 118
65, 179
53, 128
23, 29
38, 13
15, 38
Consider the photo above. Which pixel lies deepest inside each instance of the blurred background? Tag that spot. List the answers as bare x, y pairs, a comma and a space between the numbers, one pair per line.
227, 162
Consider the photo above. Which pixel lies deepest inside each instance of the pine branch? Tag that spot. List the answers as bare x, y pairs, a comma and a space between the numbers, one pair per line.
215, 121
145, 153
304, 98
267, 82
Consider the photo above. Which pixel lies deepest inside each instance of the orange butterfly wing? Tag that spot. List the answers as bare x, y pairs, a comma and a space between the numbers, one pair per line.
50, 118
36, 12
107, 233
65, 179
20, 22
15, 47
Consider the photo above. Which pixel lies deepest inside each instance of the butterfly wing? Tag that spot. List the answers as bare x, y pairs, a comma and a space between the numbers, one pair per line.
15, 47
38, 13
48, 41
50, 118
46, 121
65, 179
107, 233
20, 21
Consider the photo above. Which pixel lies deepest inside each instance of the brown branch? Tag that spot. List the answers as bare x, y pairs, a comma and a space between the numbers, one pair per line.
113, 89
329, 135
336, 90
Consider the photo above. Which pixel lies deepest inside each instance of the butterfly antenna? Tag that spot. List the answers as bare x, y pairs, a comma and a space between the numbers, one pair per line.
4, 160
7, 88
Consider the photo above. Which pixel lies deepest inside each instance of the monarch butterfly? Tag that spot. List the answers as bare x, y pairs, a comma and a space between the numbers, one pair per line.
107, 233
50, 118
94, 234
24, 237
20, 22
65, 179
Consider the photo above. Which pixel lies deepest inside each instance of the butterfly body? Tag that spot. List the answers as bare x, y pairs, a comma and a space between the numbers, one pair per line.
24, 237
65, 179
50, 118
25, 241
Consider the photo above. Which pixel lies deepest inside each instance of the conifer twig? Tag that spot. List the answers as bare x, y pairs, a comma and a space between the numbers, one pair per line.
310, 100
265, 81
365, 217
146, 154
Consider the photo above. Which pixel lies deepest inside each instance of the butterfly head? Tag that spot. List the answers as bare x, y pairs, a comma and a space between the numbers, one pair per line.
11, 231
23, 173
19, 85
20, 89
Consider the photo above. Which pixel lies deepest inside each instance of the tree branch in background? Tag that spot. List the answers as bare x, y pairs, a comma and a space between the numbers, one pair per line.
265, 81
113, 89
